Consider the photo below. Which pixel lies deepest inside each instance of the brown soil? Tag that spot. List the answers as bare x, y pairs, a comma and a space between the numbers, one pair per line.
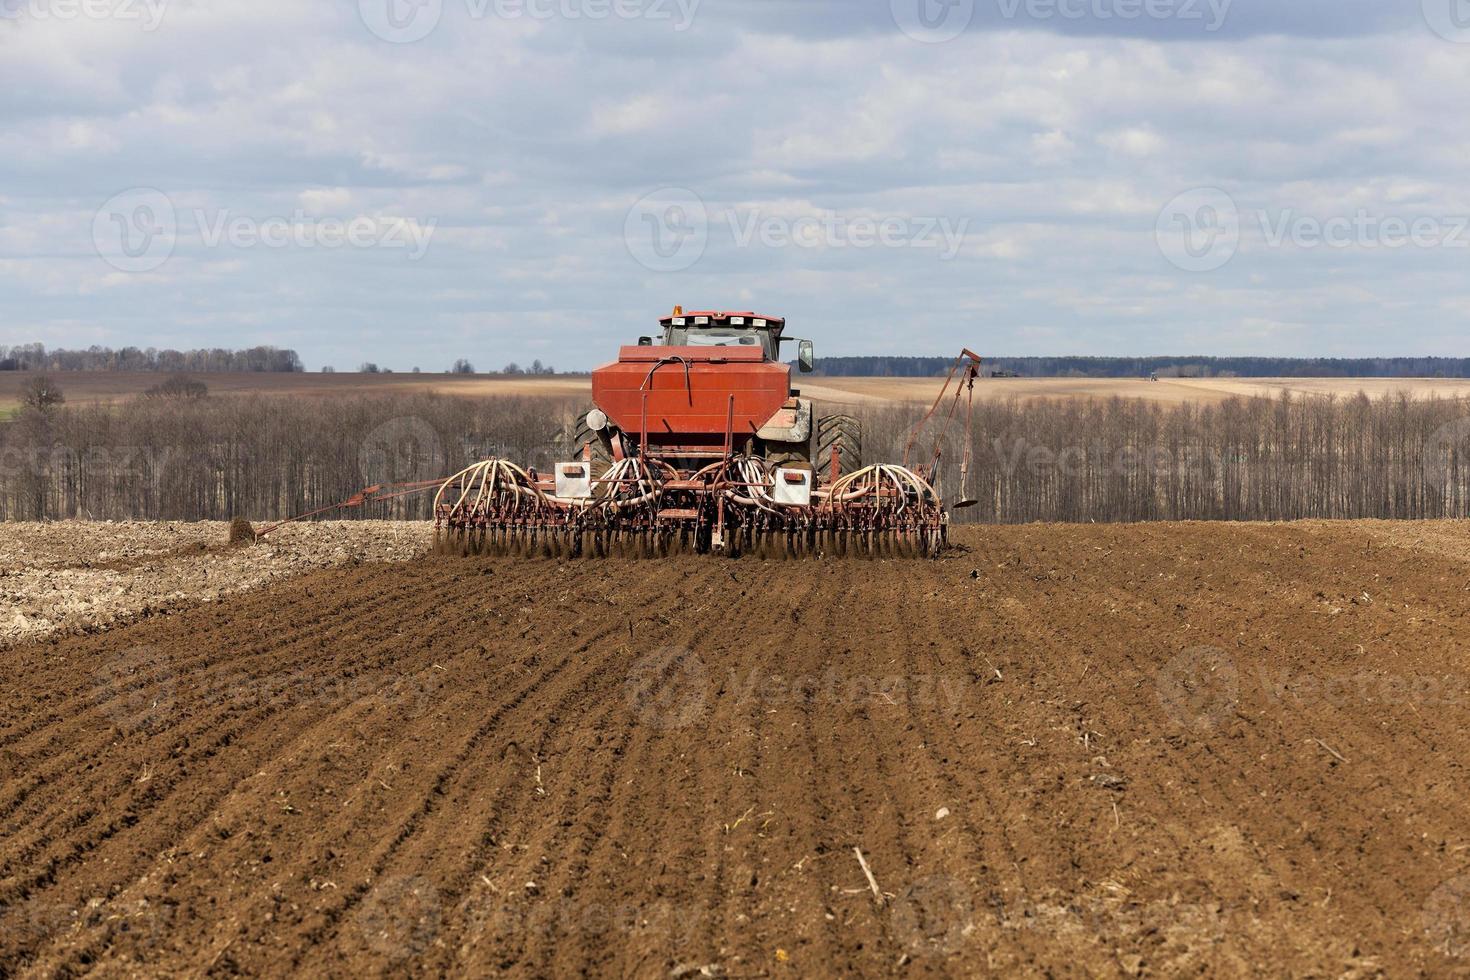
80, 576
1104, 750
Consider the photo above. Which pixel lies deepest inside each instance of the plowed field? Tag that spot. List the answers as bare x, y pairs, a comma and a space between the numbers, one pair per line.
1108, 750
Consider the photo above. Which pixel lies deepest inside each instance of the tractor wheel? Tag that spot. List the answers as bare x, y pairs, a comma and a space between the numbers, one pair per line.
602, 454
844, 433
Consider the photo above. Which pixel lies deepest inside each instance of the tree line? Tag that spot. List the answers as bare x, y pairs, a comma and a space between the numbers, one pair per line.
1257, 459
1143, 367
35, 357
263, 457
268, 456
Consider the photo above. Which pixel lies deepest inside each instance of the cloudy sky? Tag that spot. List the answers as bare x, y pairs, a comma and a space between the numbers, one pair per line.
411, 181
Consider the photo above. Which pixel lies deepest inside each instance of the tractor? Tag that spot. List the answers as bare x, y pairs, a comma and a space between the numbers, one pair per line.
699, 443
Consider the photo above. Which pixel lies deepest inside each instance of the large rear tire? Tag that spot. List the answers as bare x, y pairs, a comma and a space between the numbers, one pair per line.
839, 432
601, 443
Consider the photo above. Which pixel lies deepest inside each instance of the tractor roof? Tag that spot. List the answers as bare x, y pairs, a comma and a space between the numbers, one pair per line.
714, 318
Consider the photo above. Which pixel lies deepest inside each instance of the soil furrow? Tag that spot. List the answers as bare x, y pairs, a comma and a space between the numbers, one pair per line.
1146, 750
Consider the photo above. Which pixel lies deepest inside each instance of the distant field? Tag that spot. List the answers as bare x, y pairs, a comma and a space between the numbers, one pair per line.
103, 386
82, 387
1168, 391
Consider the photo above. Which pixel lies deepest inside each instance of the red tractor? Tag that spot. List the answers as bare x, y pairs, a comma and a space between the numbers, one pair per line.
715, 382
699, 442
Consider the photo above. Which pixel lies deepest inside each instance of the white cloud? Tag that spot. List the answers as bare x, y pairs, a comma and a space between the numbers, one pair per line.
1052, 147
322, 200
1134, 142
527, 142
640, 114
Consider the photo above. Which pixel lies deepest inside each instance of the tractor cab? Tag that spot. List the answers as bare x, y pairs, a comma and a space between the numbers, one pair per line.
711, 329
710, 379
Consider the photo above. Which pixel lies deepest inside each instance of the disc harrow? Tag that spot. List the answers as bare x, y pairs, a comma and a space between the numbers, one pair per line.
648, 509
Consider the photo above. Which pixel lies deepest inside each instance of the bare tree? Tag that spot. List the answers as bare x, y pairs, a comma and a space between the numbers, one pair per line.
41, 393
35, 357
